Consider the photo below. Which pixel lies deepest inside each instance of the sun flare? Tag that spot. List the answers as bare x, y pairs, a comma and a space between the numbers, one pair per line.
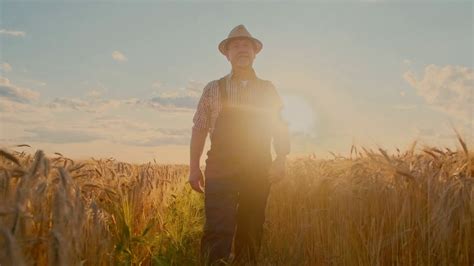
298, 113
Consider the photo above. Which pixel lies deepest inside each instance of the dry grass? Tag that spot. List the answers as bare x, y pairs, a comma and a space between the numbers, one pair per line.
374, 208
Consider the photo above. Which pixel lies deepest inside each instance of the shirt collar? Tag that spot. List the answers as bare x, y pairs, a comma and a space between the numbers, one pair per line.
253, 75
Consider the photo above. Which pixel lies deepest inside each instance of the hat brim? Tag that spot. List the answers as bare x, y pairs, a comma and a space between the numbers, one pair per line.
223, 43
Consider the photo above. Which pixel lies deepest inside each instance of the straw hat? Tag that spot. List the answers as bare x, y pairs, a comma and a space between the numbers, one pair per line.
239, 32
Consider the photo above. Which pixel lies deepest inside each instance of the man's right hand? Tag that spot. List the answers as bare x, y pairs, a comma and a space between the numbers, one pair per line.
196, 180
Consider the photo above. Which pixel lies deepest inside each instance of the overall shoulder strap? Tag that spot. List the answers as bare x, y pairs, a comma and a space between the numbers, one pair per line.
222, 90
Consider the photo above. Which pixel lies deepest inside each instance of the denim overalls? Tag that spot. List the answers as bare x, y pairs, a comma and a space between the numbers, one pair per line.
236, 178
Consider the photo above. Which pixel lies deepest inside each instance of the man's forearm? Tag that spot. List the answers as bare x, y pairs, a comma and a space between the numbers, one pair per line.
198, 140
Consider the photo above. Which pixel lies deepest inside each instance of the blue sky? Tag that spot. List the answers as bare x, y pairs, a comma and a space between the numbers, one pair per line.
91, 79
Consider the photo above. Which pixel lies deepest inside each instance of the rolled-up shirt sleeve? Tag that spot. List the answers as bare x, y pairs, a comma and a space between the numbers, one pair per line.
280, 129
201, 118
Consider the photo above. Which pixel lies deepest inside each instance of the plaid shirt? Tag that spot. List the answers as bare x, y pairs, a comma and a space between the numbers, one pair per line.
241, 93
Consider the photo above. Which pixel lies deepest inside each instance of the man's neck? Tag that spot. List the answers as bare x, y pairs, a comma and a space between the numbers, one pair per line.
243, 73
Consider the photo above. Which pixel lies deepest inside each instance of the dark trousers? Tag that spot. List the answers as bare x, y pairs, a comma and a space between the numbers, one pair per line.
234, 204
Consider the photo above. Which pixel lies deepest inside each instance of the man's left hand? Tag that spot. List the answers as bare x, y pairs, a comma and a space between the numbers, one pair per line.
277, 170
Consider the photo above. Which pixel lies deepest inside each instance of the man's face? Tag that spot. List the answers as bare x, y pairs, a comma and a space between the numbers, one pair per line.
240, 52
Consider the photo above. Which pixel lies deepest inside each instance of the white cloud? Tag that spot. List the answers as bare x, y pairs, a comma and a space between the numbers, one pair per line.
6, 67
7, 105
119, 56
96, 92
77, 128
195, 86
12, 33
73, 103
91, 118
181, 99
66, 123
167, 102
93, 93
449, 89
156, 84
11, 92
407, 61
85, 105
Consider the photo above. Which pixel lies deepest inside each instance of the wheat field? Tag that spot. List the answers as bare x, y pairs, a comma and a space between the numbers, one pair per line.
414, 207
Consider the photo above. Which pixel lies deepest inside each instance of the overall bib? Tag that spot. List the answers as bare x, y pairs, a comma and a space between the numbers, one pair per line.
236, 179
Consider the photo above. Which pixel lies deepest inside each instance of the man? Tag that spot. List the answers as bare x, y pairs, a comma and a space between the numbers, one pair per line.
242, 113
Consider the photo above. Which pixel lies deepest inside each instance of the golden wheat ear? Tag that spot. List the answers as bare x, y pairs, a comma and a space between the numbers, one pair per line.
9, 156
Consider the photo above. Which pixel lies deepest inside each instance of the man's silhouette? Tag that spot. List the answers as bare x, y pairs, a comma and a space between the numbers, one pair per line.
242, 113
